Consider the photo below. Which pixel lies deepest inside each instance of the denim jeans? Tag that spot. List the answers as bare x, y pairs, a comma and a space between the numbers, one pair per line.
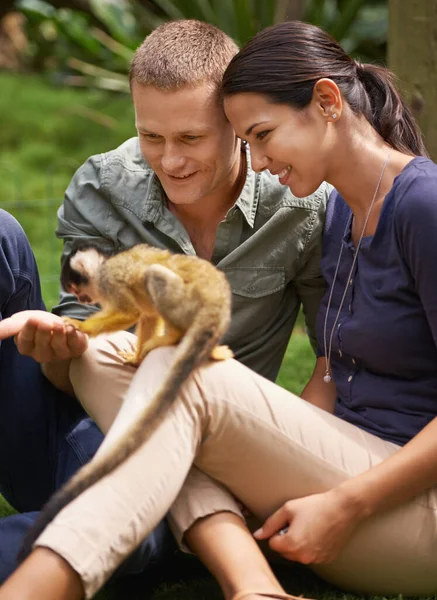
45, 435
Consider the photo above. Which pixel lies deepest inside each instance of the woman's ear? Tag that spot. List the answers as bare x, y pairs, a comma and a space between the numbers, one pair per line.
328, 100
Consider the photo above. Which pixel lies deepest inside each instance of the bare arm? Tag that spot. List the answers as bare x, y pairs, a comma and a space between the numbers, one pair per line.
407, 473
318, 392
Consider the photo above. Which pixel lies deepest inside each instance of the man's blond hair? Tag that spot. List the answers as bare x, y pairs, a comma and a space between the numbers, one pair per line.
179, 53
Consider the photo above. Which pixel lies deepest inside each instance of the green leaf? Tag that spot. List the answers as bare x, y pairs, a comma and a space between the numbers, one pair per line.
74, 26
35, 6
118, 18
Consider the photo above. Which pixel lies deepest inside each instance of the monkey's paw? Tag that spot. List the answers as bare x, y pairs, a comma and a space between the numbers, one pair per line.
129, 358
221, 353
74, 322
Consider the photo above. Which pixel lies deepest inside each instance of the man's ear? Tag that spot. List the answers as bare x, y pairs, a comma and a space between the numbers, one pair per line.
328, 100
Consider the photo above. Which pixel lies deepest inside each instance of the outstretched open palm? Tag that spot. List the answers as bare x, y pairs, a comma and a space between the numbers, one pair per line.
43, 336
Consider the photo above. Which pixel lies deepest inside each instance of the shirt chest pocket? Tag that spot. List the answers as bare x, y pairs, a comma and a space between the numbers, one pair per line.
255, 282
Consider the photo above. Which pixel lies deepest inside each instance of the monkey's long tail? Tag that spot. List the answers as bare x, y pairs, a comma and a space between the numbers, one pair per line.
194, 348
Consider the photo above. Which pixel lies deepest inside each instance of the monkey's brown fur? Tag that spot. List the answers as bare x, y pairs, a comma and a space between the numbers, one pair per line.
150, 287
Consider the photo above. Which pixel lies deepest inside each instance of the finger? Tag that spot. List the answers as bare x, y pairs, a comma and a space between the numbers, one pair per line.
42, 344
9, 328
35, 338
282, 543
286, 546
59, 343
12, 326
77, 341
274, 523
41, 321
25, 339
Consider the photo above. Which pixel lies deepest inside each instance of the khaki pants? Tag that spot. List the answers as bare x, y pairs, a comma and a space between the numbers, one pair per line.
261, 443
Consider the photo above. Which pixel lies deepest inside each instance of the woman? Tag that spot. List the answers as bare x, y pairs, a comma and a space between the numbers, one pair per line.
344, 481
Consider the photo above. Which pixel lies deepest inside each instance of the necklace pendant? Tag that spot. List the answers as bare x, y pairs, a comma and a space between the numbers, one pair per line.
327, 378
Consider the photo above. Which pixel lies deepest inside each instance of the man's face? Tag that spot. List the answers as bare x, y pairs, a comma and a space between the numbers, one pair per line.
186, 139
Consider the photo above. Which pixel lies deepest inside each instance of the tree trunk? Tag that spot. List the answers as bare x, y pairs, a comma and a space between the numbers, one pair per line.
412, 55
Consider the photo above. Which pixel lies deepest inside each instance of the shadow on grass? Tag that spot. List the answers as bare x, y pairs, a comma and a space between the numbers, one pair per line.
183, 577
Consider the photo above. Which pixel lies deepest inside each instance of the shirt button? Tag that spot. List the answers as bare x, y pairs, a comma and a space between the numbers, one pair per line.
350, 281
354, 362
349, 378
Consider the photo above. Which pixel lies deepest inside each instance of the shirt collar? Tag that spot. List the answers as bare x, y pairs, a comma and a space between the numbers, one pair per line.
247, 202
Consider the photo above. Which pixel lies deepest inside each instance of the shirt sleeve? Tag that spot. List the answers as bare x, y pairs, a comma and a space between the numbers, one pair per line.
415, 221
82, 216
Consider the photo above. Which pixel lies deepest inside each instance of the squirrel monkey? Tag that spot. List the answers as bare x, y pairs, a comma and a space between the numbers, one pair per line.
171, 298
119, 286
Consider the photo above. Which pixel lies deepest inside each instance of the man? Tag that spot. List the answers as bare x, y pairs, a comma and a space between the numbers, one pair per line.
186, 184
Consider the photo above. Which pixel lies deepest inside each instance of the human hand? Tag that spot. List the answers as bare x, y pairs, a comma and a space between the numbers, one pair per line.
313, 529
43, 336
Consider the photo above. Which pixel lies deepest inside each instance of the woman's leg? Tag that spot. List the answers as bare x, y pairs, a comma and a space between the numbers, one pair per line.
229, 551
266, 446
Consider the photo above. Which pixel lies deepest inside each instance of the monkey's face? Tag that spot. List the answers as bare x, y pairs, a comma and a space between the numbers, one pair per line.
83, 293
187, 140
83, 279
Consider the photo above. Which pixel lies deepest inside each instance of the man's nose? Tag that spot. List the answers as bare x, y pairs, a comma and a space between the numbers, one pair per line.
172, 160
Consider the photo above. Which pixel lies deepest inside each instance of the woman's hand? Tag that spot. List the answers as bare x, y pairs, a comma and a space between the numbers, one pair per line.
311, 530
43, 336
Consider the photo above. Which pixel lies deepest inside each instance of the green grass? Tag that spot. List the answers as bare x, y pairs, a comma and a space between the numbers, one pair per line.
46, 133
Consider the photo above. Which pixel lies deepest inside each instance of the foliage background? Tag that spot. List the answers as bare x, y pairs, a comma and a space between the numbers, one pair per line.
91, 41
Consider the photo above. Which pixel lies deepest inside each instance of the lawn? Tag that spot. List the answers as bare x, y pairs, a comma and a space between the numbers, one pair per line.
46, 133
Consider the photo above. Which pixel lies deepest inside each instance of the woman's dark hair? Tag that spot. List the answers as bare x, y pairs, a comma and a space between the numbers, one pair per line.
285, 61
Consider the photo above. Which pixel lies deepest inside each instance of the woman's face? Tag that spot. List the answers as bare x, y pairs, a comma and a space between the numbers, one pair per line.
293, 144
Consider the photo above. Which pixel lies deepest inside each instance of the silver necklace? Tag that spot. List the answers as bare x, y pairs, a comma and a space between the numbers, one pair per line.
328, 377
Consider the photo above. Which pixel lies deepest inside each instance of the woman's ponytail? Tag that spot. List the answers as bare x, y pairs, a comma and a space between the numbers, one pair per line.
388, 112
